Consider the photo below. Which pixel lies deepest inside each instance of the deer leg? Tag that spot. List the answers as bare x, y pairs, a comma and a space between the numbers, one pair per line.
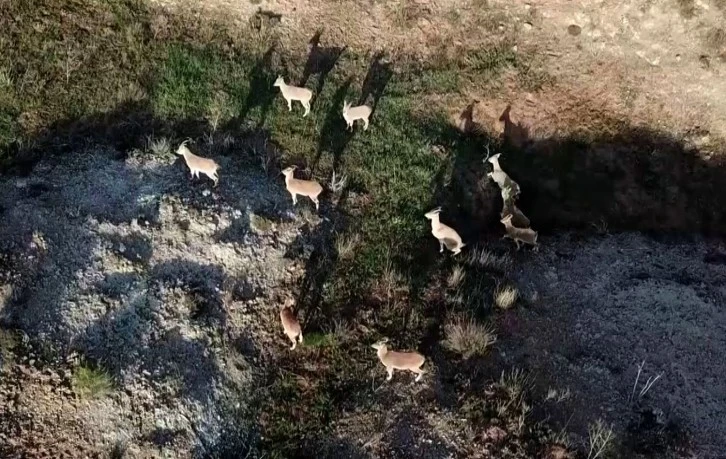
441, 247
390, 373
294, 199
294, 342
289, 105
365, 124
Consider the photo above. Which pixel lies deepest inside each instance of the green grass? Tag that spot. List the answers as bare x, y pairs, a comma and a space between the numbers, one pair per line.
91, 382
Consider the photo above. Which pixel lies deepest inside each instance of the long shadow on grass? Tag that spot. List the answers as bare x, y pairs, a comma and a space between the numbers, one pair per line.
321, 61
261, 92
334, 137
322, 262
379, 74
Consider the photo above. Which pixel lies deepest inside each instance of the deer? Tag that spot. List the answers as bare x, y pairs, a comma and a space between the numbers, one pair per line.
510, 188
519, 220
290, 324
309, 188
392, 360
198, 164
526, 235
446, 235
351, 114
290, 93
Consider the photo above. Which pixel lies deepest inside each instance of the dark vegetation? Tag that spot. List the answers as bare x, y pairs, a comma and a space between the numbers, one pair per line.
84, 72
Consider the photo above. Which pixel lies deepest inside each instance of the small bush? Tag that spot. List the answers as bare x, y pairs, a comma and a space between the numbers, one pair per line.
505, 297
467, 337
91, 382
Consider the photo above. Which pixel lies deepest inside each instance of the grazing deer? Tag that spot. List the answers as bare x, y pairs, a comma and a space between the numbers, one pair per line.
351, 114
526, 235
392, 360
309, 188
290, 323
290, 93
198, 164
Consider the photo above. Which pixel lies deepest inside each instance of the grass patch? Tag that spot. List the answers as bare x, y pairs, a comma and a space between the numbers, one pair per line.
505, 297
317, 339
456, 277
346, 244
91, 382
468, 337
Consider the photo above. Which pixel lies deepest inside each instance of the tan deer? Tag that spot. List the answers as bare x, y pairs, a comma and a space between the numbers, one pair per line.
392, 360
526, 235
446, 235
309, 188
290, 93
351, 114
519, 220
290, 323
198, 164
510, 188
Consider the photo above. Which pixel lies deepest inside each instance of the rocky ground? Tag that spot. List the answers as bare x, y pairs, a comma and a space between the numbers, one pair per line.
164, 280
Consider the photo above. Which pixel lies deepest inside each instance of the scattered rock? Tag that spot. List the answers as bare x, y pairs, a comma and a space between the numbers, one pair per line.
527, 26
574, 30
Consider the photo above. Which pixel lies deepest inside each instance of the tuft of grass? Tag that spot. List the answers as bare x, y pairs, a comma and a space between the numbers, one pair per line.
505, 297
600, 437
260, 224
467, 337
159, 147
346, 244
91, 382
488, 260
456, 277
317, 339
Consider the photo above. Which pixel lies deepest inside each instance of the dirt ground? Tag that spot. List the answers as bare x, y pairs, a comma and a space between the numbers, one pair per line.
599, 306
656, 63
164, 281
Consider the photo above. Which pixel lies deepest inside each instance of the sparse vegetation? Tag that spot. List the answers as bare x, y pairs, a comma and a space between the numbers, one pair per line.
146, 79
91, 382
260, 224
467, 337
346, 244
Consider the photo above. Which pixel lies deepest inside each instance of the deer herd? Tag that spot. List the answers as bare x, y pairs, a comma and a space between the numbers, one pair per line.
516, 224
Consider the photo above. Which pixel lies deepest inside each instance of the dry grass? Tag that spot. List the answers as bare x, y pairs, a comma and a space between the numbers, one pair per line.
159, 147
456, 277
488, 260
467, 337
600, 439
505, 297
260, 224
345, 245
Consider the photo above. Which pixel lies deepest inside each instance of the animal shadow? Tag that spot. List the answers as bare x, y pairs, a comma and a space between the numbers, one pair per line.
335, 137
379, 74
321, 61
261, 92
